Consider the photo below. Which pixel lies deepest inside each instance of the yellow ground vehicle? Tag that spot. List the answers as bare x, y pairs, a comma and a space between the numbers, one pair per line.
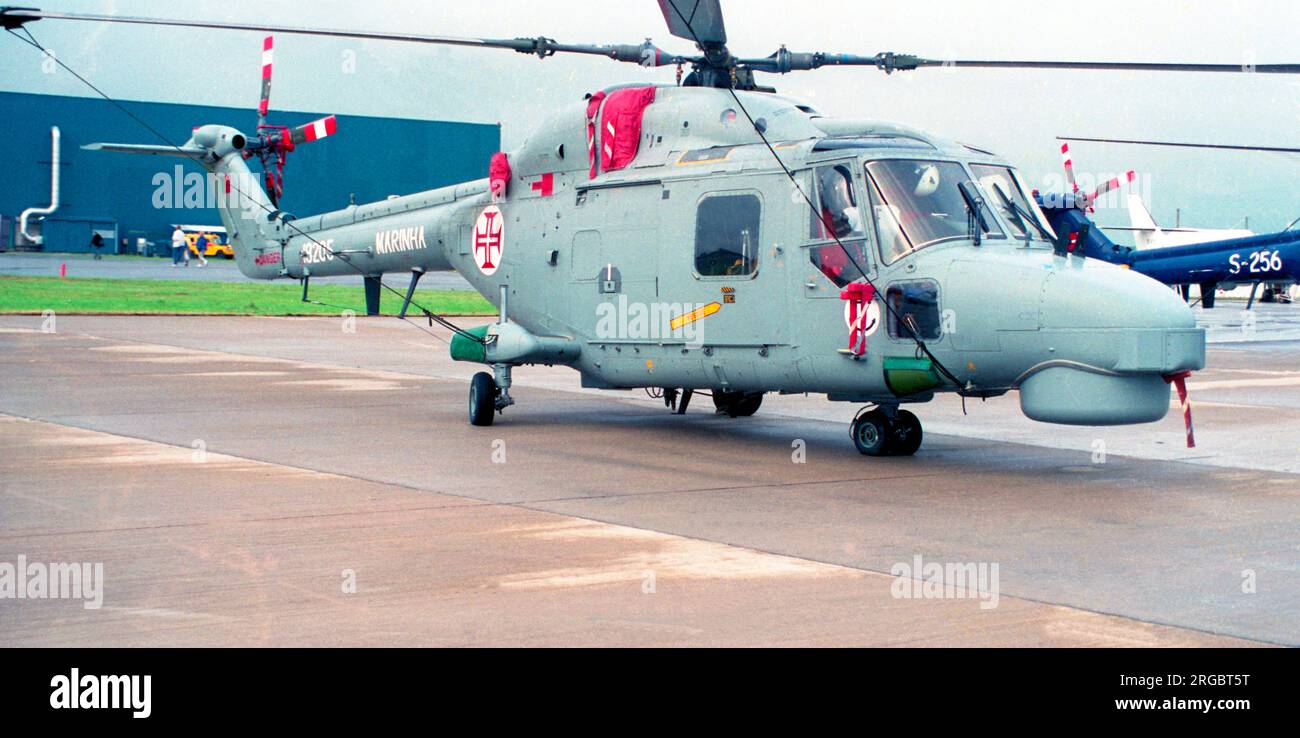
212, 240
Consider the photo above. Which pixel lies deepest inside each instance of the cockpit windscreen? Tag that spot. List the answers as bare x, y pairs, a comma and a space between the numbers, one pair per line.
917, 203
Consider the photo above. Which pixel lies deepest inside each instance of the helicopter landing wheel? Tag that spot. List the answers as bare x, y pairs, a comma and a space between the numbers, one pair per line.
904, 434
482, 399
737, 404
871, 433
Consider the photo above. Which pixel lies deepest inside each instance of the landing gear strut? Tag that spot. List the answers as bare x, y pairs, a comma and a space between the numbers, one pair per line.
489, 394
887, 431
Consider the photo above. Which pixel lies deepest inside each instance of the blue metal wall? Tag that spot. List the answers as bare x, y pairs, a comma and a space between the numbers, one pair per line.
369, 157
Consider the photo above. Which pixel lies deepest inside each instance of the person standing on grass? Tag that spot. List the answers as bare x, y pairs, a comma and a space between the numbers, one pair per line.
178, 246
97, 243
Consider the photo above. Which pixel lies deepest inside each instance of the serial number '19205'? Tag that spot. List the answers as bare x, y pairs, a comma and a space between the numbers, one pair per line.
1258, 261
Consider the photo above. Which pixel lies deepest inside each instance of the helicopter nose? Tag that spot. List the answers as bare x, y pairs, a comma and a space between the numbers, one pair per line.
1104, 297
1110, 337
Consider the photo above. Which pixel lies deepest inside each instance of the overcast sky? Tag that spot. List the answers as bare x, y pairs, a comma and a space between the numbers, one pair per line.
1016, 113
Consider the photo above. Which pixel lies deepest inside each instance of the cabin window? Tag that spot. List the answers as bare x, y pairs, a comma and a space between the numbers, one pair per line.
915, 304
727, 235
838, 217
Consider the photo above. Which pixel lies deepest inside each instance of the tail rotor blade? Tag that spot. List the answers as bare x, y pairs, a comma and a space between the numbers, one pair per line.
314, 131
1069, 166
268, 56
1105, 187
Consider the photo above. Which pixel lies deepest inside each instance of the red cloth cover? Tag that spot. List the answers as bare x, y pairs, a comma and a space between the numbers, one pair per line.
620, 126
593, 112
499, 174
621, 132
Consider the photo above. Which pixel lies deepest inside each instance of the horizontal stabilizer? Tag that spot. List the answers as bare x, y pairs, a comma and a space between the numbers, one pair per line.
193, 152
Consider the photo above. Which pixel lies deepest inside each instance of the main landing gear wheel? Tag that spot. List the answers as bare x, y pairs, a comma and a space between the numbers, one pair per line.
737, 404
482, 399
875, 433
871, 433
905, 434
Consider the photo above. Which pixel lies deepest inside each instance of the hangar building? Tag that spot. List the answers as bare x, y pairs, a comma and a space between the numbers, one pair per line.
369, 158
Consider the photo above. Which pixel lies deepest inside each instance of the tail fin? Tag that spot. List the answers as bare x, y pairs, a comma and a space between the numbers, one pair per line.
1144, 226
255, 226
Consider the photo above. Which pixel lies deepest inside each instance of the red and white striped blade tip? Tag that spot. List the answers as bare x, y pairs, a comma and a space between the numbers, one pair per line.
1114, 183
1068, 162
268, 57
316, 130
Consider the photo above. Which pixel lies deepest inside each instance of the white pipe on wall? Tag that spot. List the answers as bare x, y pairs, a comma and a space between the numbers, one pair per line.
54, 191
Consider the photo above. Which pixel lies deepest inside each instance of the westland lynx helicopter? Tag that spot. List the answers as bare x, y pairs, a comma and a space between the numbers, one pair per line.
716, 236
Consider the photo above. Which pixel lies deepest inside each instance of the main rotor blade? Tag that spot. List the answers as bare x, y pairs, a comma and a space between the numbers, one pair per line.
784, 61
1225, 147
1119, 66
645, 54
697, 21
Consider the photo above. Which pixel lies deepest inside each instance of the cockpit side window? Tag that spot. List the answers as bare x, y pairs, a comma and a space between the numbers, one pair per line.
1000, 181
919, 201
837, 206
838, 217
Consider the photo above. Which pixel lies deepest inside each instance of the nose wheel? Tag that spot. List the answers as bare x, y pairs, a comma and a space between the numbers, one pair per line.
880, 432
483, 394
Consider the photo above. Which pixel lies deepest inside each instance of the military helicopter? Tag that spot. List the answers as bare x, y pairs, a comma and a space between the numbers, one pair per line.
715, 236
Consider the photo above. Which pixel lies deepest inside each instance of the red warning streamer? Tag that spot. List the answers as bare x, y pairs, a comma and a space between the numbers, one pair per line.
1179, 381
859, 295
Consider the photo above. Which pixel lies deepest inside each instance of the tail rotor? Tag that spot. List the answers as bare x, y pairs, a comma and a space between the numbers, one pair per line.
272, 144
1086, 201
